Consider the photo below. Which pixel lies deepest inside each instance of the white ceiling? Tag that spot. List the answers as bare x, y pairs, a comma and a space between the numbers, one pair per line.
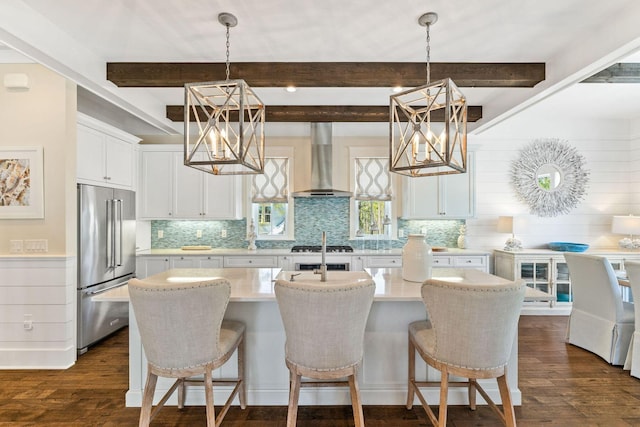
575, 38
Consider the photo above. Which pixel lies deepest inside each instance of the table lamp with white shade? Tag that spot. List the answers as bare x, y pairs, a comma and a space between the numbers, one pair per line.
629, 225
505, 225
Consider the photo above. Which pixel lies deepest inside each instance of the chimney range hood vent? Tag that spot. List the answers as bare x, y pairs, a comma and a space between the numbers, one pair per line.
321, 164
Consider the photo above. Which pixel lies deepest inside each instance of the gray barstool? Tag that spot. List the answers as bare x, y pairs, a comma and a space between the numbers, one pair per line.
469, 333
184, 334
324, 326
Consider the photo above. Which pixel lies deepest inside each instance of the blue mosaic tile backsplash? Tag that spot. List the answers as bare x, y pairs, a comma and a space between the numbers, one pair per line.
312, 216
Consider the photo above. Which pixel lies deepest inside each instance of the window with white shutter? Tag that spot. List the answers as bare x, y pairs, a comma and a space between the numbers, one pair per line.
270, 197
373, 195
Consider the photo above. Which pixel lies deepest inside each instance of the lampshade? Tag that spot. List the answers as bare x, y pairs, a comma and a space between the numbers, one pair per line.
428, 125
626, 225
505, 224
230, 120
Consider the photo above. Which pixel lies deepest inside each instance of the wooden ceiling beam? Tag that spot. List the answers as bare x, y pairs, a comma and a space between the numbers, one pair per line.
622, 72
326, 74
323, 113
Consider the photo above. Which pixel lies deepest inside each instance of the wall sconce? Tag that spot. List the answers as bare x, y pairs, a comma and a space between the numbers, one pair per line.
505, 225
629, 225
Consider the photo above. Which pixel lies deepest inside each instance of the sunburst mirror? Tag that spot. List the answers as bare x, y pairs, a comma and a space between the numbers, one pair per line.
550, 177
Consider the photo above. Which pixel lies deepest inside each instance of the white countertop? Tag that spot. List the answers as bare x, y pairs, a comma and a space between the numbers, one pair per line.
281, 252
256, 284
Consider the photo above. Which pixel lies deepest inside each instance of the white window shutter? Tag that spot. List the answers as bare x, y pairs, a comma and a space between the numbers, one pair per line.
273, 185
373, 181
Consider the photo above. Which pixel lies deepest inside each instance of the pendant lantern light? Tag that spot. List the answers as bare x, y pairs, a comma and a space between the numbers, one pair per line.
428, 124
230, 123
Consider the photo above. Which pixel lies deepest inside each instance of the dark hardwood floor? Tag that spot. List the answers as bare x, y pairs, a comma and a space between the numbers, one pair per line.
561, 386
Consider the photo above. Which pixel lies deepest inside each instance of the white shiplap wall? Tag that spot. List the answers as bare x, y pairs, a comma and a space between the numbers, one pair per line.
634, 176
606, 147
44, 288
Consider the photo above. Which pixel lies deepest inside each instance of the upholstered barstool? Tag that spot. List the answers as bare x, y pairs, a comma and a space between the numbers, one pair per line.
324, 326
183, 334
632, 363
469, 333
600, 321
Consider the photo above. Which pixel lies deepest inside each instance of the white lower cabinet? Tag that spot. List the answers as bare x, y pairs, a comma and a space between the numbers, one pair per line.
189, 261
148, 266
357, 263
383, 261
440, 260
286, 263
547, 270
258, 261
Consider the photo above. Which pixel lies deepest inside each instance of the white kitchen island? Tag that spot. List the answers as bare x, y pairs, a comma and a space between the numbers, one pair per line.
383, 374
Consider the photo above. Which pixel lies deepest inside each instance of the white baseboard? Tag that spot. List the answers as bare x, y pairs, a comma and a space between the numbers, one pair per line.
30, 358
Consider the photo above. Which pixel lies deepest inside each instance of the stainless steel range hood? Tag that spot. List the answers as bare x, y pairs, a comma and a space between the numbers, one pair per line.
321, 164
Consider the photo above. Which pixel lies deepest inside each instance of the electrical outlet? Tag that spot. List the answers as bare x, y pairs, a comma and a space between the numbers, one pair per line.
28, 322
401, 232
199, 234
423, 230
15, 246
223, 233
160, 234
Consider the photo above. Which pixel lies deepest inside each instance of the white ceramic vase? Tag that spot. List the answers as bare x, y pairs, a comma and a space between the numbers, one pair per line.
417, 259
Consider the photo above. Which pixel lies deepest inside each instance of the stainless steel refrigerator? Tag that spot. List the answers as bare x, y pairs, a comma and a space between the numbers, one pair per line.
106, 259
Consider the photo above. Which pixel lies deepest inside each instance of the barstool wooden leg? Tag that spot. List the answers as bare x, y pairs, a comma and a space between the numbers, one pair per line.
358, 415
294, 395
208, 395
412, 373
147, 399
472, 393
507, 403
242, 396
444, 393
181, 393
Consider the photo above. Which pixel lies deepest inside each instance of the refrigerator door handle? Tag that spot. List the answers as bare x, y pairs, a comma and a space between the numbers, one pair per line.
110, 234
118, 203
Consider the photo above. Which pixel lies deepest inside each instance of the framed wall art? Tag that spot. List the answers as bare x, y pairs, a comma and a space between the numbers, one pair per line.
21, 183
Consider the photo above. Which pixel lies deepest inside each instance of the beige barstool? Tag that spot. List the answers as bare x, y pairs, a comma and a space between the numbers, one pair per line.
183, 335
469, 333
324, 326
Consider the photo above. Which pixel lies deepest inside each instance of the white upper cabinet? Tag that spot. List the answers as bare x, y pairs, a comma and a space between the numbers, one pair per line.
439, 197
155, 195
106, 155
171, 190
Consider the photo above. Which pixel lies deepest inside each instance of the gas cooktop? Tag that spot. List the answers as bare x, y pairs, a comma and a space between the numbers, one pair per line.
318, 248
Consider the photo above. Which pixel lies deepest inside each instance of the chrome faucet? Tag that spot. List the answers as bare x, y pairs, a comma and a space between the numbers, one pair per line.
322, 271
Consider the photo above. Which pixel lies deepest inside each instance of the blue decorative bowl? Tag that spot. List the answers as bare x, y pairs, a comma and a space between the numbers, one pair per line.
568, 247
